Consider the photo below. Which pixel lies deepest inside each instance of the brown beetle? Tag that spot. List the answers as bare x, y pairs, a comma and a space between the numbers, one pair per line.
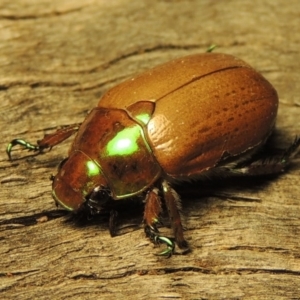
194, 116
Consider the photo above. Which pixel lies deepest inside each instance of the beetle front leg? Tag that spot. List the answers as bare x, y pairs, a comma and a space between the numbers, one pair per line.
26, 145
49, 140
152, 211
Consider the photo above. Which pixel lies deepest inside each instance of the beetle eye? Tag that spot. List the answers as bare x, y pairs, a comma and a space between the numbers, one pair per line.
104, 194
98, 198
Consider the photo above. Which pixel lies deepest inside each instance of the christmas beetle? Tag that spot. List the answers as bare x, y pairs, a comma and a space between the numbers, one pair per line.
192, 117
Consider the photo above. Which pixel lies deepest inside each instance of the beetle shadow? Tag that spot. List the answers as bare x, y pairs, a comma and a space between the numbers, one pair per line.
128, 217
220, 187
34, 219
130, 211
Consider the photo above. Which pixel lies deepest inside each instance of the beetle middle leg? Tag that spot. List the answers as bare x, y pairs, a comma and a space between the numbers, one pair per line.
151, 219
173, 205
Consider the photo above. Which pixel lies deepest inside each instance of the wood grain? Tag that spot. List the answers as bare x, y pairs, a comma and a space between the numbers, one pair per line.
57, 58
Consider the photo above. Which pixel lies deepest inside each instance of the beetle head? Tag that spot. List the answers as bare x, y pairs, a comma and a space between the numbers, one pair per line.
78, 177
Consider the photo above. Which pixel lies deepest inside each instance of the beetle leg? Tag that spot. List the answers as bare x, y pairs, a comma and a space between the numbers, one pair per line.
271, 165
23, 143
113, 222
173, 205
60, 135
290, 152
48, 141
157, 239
152, 208
152, 211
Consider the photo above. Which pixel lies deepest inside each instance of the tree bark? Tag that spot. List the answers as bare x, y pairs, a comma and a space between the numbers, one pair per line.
57, 59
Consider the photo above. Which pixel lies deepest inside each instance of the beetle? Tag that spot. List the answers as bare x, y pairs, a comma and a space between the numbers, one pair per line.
189, 118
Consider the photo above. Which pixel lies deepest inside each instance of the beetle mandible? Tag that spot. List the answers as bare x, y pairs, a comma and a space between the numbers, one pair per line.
191, 117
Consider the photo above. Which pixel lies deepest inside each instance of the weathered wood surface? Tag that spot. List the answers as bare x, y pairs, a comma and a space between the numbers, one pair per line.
57, 58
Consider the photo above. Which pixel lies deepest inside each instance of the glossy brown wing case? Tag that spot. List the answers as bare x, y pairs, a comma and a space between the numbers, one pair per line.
207, 106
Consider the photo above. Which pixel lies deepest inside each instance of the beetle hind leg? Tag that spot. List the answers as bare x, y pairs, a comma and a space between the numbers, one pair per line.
271, 165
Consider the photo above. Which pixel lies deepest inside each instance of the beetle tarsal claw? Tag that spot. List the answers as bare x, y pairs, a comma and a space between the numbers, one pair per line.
170, 245
26, 145
153, 234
